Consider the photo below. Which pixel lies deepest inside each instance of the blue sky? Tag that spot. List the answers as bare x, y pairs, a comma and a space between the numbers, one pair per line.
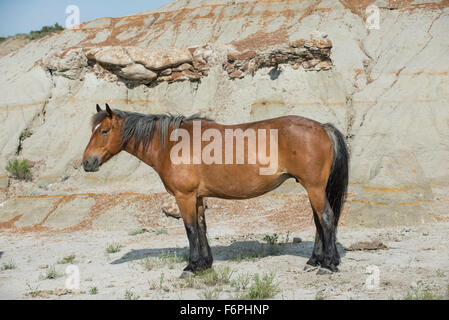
22, 16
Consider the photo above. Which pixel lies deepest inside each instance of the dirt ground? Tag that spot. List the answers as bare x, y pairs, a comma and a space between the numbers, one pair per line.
405, 262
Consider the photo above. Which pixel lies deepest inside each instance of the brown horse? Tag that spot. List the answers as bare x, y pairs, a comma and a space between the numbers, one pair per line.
312, 153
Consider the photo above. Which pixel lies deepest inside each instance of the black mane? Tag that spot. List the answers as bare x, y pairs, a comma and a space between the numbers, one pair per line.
141, 126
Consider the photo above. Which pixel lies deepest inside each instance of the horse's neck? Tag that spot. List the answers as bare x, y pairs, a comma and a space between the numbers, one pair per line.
152, 153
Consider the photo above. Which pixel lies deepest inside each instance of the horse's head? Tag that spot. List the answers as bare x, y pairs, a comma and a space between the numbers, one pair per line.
106, 139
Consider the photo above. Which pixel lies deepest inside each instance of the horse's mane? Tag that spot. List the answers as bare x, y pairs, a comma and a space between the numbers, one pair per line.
141, 126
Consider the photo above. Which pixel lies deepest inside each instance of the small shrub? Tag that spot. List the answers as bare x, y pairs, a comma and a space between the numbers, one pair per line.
26, 133
20, 169
241, 282
220, 276
273, 239
67, 259
113, 248
93, 290
33, 292
8, 265
211, 293
44, 31
51, 273
129, 295
262, 288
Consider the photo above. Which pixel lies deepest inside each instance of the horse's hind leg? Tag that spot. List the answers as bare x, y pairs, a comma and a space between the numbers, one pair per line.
205, 251
317, 253
326, 231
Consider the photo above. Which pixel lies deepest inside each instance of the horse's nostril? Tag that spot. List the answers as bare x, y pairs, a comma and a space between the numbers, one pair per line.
86, 165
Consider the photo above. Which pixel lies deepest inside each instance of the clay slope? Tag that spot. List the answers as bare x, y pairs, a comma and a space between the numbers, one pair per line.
237, 61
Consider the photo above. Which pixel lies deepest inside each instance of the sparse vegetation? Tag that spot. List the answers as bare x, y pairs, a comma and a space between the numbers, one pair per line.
241, 282
51, 273
262, 287
425, 292
250, 254
137, 231
160, 231
211, 293
273, 239
8, 265
129, 295
36, 34
218, 276
93, 290
20, 169
440, 273
67, 259
26, 133
113, 248
32, 292
320, 295
166, 258
45, 31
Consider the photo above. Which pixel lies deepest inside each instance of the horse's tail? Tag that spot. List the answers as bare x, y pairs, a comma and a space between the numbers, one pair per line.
337, 184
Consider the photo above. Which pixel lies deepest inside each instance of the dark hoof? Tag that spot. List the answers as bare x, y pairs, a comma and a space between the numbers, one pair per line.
327, 270
312, 262
190, 267
322, 271
309, 268
198, 266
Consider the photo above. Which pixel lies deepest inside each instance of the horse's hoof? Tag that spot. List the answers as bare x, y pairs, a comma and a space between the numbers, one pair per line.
313, 262
323, 271
309, 268
187, 275
327, 270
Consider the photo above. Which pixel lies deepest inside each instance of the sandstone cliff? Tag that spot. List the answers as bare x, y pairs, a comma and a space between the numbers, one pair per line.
239, 61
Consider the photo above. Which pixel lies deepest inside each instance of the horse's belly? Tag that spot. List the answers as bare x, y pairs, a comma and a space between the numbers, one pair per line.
241, 186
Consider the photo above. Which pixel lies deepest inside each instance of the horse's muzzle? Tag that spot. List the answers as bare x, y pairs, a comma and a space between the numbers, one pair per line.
91, 164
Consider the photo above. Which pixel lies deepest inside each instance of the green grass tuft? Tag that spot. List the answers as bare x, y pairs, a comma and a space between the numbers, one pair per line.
93, 290
113, 248
262, 287
8, 265
129, 295
20, 169
67, 259
52, 273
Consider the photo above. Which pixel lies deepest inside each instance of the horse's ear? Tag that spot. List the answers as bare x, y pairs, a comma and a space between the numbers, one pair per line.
109, 111
98, 108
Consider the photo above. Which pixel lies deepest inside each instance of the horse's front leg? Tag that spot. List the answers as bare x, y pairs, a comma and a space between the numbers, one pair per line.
188, 206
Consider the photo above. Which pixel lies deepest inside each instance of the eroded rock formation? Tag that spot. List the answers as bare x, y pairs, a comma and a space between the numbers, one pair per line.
237, 61
139, 65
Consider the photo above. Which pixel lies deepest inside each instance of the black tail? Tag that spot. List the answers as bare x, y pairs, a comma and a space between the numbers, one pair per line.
337, 184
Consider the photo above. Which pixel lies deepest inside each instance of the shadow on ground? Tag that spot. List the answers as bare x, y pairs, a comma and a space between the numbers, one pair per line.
239, 250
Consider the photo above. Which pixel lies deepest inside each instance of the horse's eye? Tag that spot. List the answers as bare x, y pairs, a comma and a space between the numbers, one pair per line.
105, 132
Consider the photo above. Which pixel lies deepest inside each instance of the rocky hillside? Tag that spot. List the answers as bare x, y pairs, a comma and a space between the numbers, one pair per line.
387, 89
